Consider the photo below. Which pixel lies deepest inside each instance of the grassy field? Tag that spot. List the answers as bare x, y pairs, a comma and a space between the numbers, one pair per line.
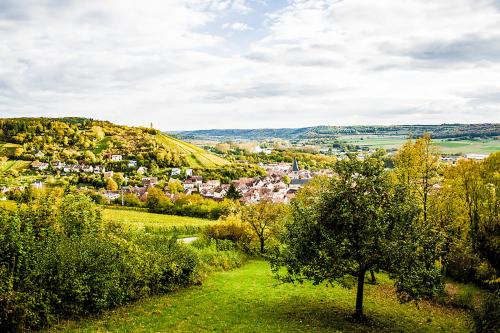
8, 149
14, 165
445, 146
249, 300
142, 220
197, 157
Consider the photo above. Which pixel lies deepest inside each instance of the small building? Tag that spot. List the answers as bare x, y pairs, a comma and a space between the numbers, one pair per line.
176, 172
149, 181
39, 154
132, 164
477, 157
142, 170
37, 165
189, 172
116, 158
108, 174
298, 183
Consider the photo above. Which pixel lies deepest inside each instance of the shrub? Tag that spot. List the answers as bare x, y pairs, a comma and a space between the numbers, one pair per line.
231, 229
81, 268
487, 317
213, 259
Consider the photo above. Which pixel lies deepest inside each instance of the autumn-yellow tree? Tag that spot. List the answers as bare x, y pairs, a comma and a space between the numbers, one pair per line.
416, 167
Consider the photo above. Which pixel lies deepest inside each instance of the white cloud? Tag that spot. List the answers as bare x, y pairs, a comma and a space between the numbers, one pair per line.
311, 62
236, 26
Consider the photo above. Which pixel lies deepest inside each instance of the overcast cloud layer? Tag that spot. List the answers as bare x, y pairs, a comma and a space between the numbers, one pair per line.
193, 64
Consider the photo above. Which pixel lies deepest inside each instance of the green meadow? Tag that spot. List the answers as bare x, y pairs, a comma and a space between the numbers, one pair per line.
248, 299
446, 146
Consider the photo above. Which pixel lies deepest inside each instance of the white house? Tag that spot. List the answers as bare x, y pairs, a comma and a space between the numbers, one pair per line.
142, 170
132, 164
116, 158
189, 172
176, 171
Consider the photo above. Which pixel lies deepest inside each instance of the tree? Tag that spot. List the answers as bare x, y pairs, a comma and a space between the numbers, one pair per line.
111, 185
264, 219
78, 215
359, 222
417, 168
157, 201
175, 186
474, 188
233, 193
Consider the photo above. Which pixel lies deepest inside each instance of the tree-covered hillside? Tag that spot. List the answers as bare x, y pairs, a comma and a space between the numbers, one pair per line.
436, 131
93, 141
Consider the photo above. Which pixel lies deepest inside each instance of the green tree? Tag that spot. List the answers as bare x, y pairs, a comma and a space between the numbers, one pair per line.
359, 222
157, 201
264, 219
79, 215
233, 193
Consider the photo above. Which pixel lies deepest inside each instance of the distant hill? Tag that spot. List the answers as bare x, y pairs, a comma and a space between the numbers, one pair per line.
94, 141
436, 131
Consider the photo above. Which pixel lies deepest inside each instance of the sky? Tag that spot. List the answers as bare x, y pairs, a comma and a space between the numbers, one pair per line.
202, 64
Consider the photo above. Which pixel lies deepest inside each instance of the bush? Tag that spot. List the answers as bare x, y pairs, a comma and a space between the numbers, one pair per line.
231, 229
76, 268
487, 317
214, 259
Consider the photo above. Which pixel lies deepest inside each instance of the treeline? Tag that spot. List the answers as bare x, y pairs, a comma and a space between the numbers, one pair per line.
460, 201
184, 205
306, 160
437, 131
228, 173
59, 260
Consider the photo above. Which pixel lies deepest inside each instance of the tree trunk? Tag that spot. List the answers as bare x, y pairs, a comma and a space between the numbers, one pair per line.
359, 294
261, 245
372, 274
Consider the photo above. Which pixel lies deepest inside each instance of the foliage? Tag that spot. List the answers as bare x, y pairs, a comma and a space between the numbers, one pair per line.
189, 205
487, 317
465, 209
56, 260
360, 222
264, 219
233, 193
91, 141
416, 166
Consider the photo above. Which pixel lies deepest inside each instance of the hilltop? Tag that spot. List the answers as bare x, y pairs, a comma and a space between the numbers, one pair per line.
437, 131
91, 141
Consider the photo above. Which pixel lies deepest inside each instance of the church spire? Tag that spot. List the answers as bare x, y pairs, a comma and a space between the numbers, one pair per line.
295, 167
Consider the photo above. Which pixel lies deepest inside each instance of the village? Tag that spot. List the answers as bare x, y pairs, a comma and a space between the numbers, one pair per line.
280, 184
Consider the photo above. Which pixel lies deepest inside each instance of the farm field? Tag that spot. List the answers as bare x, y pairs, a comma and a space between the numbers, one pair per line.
444, 146
248, 299
7, 149
142, 220
14, 165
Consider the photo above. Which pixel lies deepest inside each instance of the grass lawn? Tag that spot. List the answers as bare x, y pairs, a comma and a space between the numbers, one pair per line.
142, 220
248, 300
